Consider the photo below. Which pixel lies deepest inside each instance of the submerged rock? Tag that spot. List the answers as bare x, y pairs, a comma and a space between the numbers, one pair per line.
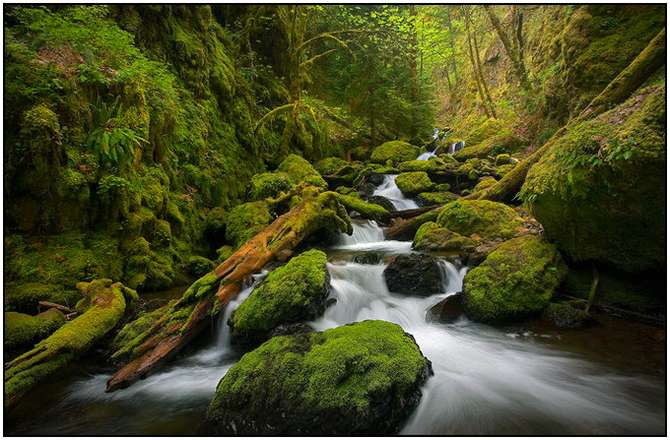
413, 274
516, 280
368, 258
447, 310
292, 293
362, 378
564, 315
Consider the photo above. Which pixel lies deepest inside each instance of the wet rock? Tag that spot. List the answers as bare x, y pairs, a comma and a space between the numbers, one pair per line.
291, 329
447, 310
366, 189
362, 378
413, 274
375, 179
564, 315
383, 202
368, 258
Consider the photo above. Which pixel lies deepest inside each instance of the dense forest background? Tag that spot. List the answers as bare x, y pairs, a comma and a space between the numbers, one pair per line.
131, 132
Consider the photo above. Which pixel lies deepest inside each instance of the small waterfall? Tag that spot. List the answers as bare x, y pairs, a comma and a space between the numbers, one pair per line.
425, 156
390, 190
369, 236
452, 277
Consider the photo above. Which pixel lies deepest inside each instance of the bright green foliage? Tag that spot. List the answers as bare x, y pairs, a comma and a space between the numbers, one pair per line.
395, 151
488, 220
367, 210
414, 183
105, 305
292, 293
600, 190
245, 221
269, 185
23, 330
328, 382
516, 280
432, 237
299, 170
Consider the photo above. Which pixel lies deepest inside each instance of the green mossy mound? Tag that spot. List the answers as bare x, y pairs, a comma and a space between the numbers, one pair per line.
22, 331
600, 191
245, 221
199, 266
330, 165
362, 378
414, 183
367, 210
564, 315
516, 280
504, 142
484, 183
431, 165
266, 185
485, 219
292, 293
299, 170
25, 297
394, 151
436, 198
432, 237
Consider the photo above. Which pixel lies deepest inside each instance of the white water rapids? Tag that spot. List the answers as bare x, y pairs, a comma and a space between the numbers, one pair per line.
486, 381
390, 190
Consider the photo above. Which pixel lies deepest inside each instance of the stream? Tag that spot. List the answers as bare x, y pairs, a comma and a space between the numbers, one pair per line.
523, 380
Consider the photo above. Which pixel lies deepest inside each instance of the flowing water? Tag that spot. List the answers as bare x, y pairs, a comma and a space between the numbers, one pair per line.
390, 190
486, 381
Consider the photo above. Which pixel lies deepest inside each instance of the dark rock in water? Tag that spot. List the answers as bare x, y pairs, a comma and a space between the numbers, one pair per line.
362, 378
376, 179
564, 315
366, 189
383, 202
368, 258
447, 310
291, 329
413, 274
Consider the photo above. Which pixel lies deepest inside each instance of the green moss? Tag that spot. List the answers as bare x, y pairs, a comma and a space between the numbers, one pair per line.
394, 151
133, 331
414, 183
516, 280
503, 142
24, 330
330, 382
437, 198
106, 306
223, 253
330, 165
430, 165
299, 170
25, 297
269, 185
484, 183
432, 237
503, 159
199, 266
245, 221
368, 210
292, 293
599, 191
488, 220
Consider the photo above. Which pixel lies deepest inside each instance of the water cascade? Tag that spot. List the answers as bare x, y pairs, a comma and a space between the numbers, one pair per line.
390, 190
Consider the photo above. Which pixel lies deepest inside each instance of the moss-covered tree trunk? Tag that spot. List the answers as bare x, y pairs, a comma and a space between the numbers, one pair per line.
186, 318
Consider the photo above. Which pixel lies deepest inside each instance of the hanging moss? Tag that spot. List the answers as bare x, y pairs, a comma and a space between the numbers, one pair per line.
299, 170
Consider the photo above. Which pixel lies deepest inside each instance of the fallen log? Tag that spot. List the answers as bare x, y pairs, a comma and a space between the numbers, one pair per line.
106, 306
186, 318
411, 213
50, 305
618, 90
404, 229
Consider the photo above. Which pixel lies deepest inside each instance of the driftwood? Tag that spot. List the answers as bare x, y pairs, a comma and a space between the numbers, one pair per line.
625, 83
206, 297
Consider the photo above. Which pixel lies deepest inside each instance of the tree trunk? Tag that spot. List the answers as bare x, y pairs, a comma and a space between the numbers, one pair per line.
453, 49
476, 75
619, 89
211, 293
481, 77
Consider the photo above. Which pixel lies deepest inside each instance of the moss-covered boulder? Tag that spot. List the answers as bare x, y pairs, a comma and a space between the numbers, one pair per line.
266, 185
292, 293
432, 237
394, 151
25, 297
485, 182
431, 165
22, 331
330, 165
414, 183
198, 266
245, 221
299, 170
362, 378
504, 142
413, 274
367, 210
600, 191
516, 280
435, 198
565, 315
481, 218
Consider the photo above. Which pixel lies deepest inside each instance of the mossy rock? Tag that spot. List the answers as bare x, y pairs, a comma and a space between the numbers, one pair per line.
199, 266
500, 143
25, 297
22, 331
600, 190
484, 183
432, 237
564, 315
436, 198
299, 170
394, 151
516, 280
481, 218
266, 185
245, 221
414, 183
330, 165
146, 268
362, 378
367, 210
292, 293
431, 165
